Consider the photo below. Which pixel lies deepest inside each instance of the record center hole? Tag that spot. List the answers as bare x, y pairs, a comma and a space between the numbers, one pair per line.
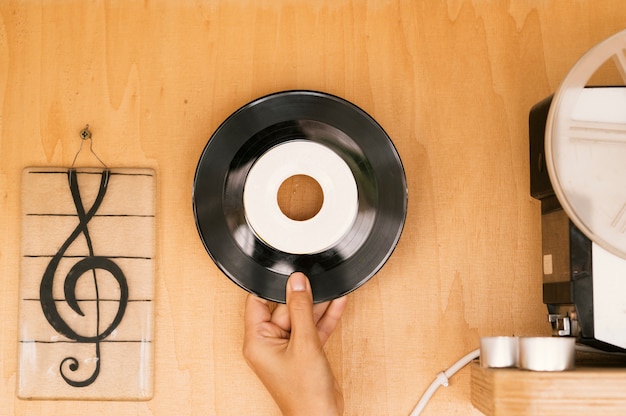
300, 197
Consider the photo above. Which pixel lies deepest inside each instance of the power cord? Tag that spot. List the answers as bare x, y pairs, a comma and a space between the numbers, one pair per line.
442, 379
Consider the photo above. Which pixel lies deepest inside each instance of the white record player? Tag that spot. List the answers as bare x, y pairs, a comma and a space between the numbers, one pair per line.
578, 171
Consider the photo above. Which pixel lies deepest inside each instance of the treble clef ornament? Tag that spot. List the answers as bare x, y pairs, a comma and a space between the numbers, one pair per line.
89, 266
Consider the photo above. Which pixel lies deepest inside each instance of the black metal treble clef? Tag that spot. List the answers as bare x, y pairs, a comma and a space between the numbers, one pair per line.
90, 263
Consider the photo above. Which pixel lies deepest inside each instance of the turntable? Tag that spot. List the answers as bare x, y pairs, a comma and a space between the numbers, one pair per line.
578, 172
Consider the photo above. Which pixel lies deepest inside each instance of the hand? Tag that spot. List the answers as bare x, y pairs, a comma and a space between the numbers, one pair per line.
284, 348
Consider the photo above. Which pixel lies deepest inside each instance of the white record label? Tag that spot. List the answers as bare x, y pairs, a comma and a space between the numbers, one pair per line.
323, 230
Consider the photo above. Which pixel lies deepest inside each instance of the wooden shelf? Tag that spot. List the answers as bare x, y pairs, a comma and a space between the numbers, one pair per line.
585, 391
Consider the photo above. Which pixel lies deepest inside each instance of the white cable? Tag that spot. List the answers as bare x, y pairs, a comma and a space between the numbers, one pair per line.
442, 379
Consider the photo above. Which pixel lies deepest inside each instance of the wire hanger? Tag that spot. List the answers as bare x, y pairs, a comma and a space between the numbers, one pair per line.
85, 135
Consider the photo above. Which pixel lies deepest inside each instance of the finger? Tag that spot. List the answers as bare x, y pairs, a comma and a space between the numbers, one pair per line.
319, 309
257, 311
259, 331
331, 318
256, 314
280, 317
300, 306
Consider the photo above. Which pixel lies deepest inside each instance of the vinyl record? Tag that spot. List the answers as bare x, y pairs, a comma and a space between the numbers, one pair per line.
314, 134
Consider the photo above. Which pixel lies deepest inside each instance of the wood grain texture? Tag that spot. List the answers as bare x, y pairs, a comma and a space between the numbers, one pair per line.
452, 83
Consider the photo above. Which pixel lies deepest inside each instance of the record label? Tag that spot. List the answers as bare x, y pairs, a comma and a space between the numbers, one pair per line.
292, 133
339, 207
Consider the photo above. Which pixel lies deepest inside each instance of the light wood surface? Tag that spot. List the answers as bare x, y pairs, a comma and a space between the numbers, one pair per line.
452, 83
583, 391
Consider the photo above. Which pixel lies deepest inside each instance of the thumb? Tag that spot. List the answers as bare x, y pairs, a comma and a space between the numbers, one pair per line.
300, 307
